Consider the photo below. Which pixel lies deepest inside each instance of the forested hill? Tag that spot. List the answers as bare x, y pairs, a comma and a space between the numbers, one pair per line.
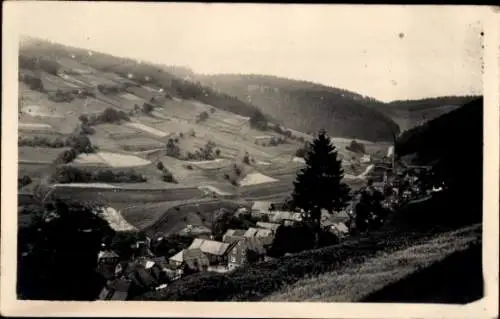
307, 106
410, 113
453, 145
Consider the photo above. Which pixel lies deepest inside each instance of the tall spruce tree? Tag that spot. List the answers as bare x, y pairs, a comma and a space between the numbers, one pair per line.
319, 185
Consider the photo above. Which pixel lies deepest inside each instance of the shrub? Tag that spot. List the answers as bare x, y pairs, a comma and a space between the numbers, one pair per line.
356, 147
212, 110
147, 108
246, 159
23, 181
237, 170
160, 165
203, 116
168, 177
69, 174
217, 152
258, 121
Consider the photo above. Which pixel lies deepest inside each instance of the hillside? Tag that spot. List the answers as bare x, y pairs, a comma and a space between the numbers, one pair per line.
306, 106
410, 113
453, 145
299, 274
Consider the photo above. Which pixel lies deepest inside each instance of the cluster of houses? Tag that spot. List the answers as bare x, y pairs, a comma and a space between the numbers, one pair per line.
238, 247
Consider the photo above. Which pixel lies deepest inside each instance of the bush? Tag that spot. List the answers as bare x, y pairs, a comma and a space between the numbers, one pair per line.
69, 174
246, 159
168, 177
42, 142
356, 147
258, 121
147, 108
23, 181
160, 165
212, 110
301, 152
203, 116
217, 152
66, 156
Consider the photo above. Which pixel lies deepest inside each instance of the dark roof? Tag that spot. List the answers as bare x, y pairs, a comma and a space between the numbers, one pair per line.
115, 290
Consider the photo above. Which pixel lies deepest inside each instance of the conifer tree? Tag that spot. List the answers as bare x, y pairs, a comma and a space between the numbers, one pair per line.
319, 185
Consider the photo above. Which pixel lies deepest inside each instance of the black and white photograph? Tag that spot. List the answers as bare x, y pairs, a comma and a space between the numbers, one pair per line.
275, 154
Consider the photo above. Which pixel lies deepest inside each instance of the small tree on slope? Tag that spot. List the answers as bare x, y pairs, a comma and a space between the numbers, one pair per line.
319, 185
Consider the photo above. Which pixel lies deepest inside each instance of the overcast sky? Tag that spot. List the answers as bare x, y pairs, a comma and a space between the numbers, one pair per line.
385, 52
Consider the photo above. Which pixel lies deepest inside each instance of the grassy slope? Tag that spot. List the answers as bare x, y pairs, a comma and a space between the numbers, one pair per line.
355, 282
342, 113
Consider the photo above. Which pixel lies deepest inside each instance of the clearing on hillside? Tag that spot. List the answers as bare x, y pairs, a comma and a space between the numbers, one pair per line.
115, 219
38, 110
147, 129
112, 159
255, 179
35, 127
122, 160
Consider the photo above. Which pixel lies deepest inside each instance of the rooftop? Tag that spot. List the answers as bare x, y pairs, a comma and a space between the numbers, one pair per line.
208, 246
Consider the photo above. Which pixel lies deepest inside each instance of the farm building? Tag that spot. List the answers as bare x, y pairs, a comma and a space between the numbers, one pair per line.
215, 251
365, 159
246, 250
263, 139
285, 217
266, 236
233, 235
106, 263
261, 206
271, 226
193, 259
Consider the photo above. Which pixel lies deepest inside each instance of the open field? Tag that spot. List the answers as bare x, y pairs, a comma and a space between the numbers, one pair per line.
137, 144
35, 170
127, 194
357, 281
147, 129
38, 110
112, 159
256, 179
39, 154
34, 127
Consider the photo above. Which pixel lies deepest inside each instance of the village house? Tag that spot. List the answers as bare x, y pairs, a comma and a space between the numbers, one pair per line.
106, 263
215, 251
192, 260
265, 236
365, 158
286, 218
271, 226
233, 235
245, 251
261, 208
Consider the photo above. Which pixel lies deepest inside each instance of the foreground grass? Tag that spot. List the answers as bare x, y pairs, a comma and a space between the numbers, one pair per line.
255, 282
356, 281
